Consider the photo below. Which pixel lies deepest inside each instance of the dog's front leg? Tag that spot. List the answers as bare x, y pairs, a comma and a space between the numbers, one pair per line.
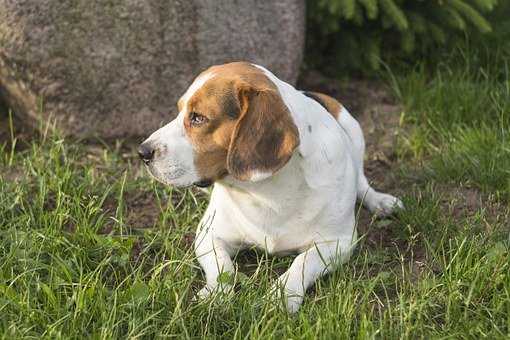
307, 267
213, 254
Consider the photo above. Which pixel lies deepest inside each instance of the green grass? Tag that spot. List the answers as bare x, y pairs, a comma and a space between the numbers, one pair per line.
91, 247
460, 122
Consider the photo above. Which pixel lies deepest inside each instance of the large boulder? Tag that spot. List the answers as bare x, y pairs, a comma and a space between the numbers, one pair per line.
115, 68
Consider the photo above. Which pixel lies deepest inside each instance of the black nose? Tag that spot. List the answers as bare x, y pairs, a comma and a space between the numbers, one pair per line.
146, 153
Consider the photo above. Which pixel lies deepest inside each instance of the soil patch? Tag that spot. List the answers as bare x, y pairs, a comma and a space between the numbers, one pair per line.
142, 211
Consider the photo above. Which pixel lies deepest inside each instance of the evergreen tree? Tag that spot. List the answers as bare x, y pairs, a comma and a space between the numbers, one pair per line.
363, 32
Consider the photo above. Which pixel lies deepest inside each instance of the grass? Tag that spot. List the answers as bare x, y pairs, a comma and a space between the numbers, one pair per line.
460, 122
91, 247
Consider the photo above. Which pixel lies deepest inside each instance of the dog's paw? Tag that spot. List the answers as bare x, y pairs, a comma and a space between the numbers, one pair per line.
204, 293
384, 204
208, 291
292, 301
284, 297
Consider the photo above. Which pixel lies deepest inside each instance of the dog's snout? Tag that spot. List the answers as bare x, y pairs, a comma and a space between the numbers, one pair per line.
146, 152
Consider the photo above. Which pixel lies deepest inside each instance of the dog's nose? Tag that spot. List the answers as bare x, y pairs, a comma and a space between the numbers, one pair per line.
146, 153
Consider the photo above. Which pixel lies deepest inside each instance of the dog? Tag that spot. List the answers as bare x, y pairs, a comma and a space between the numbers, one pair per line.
287, 168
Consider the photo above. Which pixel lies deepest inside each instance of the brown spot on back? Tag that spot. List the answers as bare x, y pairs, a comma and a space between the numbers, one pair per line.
331, 104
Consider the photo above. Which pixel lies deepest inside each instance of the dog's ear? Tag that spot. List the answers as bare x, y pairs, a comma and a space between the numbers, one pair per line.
264, 137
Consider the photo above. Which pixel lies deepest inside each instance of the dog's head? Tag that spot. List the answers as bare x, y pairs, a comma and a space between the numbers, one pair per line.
231, 121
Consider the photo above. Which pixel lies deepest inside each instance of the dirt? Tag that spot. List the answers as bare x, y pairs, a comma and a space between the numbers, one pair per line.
141, 211
463, 203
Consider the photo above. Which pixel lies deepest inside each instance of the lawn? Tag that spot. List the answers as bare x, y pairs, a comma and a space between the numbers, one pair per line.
92, 247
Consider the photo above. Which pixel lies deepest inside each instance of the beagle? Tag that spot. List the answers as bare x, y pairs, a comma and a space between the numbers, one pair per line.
287, 168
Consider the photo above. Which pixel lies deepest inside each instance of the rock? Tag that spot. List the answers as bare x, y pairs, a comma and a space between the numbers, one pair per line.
115, 68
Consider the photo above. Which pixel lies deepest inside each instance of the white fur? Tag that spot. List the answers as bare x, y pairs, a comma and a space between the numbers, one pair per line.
174, 156
257, 175
196, 85
306, 207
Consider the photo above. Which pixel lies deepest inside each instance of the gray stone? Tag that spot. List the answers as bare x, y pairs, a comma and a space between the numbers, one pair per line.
115, 68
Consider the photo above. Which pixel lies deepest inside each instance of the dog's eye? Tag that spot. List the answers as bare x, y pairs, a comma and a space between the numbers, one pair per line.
197, 118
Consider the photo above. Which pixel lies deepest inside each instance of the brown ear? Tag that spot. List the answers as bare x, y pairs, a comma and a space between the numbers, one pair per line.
264, 137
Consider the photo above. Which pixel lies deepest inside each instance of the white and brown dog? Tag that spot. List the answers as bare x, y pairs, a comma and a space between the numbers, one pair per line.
287, 167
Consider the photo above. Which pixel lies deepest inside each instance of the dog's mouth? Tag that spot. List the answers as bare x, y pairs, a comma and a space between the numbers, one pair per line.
203, 183
173, 176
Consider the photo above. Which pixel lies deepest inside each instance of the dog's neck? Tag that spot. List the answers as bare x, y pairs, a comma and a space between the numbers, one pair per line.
287, 180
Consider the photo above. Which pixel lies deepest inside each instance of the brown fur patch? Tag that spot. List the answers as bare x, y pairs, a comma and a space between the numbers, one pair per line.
265, 136
331, 104
248, 126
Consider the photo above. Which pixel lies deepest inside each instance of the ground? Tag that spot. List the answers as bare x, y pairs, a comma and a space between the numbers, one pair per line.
91, 246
